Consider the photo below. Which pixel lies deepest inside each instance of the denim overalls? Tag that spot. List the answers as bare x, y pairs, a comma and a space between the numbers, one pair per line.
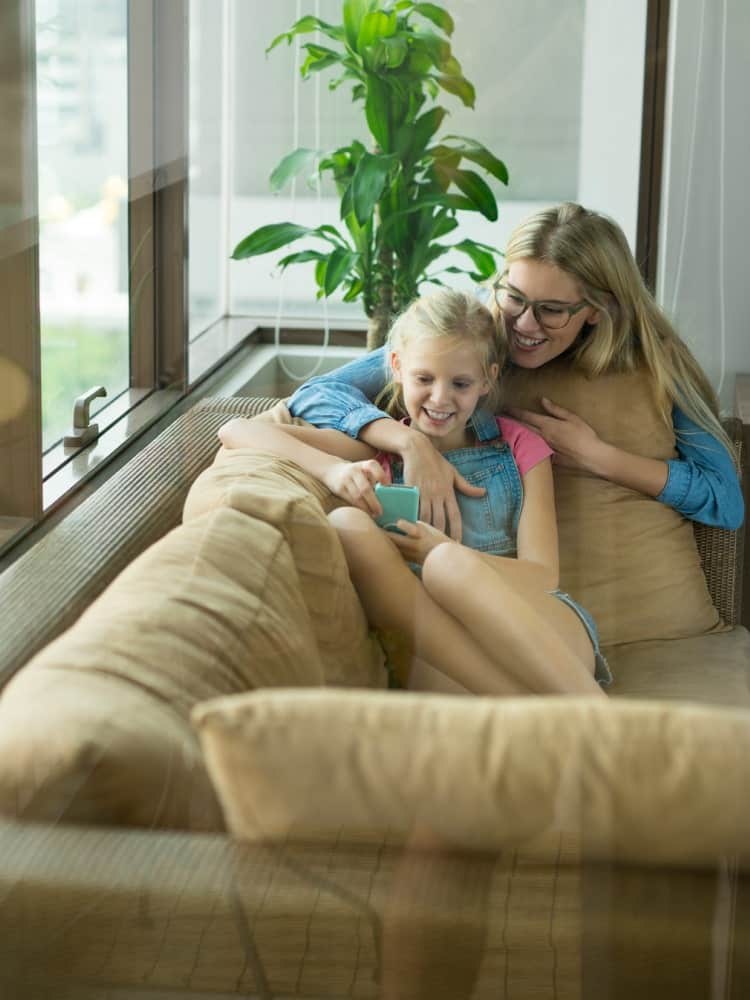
490, 522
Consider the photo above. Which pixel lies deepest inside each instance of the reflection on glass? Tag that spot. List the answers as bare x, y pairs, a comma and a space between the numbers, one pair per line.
207, 246
83, 251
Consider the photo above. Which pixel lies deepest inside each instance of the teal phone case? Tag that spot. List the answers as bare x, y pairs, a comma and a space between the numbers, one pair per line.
398, 502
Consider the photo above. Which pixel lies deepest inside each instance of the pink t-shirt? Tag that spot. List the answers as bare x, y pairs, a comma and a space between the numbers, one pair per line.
527, 447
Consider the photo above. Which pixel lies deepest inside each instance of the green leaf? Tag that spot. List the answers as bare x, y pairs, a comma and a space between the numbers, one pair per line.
483, 261
377, 111
459, 86
437, 15
269, 238
412, 138
474, 151
301, 258
290, 166
329, 233
442, 225
354, 12
478, 191
395, 51
340, 263
375, 25
437, 49
368, 183
304, 26
318, 58
354, 290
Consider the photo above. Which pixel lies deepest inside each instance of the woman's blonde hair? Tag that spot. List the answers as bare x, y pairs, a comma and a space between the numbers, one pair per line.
446, 313
631, 331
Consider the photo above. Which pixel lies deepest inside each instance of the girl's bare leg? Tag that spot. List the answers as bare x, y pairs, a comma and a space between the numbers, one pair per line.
394, 598
424, 677
532, 637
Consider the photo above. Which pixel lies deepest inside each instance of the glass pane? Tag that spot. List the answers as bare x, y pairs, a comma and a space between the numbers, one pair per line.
207, 246
82, 122
558, 99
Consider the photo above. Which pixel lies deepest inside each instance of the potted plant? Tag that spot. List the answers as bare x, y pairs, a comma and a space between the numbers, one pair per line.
400, 198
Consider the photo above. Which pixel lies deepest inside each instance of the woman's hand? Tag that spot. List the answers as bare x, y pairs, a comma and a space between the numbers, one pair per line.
438, 481
418, 539
574, 442
354, 482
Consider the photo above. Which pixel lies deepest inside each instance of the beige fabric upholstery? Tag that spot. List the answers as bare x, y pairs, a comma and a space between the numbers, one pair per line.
484, 773
279, 493
631, 562
96, 729
711, 669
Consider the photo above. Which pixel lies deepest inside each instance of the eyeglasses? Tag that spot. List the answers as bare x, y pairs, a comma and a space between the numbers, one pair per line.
549, 315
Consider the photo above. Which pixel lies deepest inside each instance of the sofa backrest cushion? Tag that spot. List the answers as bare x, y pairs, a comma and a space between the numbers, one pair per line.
630, 560
96, 726
637, 781
277, 492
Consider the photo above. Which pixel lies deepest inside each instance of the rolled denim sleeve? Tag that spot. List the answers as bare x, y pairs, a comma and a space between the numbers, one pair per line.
702, 483
342, 399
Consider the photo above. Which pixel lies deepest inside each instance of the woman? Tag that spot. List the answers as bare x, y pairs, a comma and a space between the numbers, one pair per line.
571, 290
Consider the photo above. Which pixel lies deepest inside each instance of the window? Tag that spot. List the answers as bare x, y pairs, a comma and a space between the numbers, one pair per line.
82, 132
93, 192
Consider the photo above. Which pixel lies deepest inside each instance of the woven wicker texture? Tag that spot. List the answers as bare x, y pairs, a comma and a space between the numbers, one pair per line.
720, 549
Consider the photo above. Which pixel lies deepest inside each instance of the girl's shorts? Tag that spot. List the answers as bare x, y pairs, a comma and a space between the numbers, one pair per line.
602, 673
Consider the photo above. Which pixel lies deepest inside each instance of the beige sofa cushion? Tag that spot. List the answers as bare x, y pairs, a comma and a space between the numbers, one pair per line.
631, 561
712, 669
637, 780
279, 493
95, 727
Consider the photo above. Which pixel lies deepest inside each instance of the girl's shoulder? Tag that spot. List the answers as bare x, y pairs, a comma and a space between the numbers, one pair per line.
527, 447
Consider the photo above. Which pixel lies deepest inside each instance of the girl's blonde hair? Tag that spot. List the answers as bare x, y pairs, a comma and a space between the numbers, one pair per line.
446, 313
631, 332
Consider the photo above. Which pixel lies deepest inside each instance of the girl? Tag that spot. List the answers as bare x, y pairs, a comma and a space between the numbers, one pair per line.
570, 291
487, 613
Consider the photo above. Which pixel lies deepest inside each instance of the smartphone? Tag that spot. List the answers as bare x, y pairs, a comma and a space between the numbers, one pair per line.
397, 502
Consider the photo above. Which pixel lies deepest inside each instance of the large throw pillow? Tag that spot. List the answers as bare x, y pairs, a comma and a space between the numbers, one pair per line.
96, 727
278, 492
630, 560
636, 781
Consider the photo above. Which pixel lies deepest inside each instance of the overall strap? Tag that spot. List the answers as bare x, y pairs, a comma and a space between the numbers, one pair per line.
485, 425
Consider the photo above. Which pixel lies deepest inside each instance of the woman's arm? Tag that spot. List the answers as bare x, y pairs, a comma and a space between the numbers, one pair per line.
702, 484
346, 467
342, 399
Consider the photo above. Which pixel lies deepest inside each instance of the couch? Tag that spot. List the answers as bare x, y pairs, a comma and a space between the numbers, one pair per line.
206, 789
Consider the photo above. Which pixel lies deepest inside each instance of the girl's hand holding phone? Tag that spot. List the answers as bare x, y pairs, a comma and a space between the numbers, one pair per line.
354, 482
417, 539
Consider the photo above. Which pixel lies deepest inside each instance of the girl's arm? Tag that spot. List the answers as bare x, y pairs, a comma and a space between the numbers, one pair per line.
536, 543
702, 484
341, 400
346, 467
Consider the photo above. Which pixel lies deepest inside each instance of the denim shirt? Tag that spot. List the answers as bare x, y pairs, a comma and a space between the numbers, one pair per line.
702, 483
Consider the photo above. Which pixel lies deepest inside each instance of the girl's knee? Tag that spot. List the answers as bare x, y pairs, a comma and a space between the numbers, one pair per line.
449, 565
351, 519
